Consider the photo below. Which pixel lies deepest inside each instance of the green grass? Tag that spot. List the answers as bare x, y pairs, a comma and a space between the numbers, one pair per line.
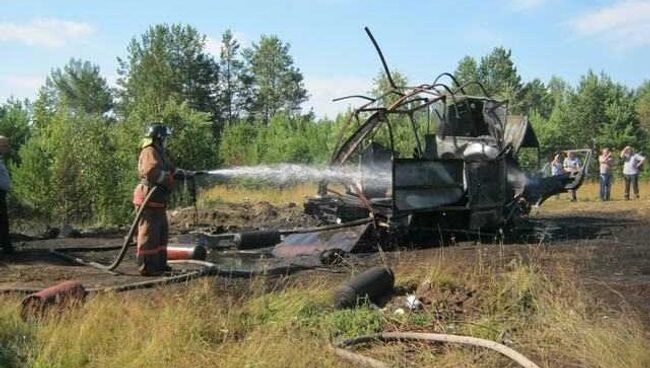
542, 312
547, 317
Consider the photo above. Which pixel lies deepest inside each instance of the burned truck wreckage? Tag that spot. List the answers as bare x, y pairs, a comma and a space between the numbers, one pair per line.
422, 165
432, 160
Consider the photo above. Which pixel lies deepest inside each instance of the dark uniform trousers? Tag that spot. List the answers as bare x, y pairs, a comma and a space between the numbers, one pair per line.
153, 234
4, 222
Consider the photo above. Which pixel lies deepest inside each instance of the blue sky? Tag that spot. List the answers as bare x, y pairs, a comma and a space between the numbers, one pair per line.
419, 38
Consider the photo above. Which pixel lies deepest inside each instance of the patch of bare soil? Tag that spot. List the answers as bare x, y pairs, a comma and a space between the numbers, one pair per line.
228, 217
606, 246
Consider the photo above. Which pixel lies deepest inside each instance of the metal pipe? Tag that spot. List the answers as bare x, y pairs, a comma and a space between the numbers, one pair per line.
381, 57
353, 96
452, 77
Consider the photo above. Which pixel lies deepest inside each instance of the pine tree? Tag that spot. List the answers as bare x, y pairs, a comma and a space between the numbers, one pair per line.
276, 84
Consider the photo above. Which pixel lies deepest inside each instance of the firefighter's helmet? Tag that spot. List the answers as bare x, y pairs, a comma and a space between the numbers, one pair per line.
157, 131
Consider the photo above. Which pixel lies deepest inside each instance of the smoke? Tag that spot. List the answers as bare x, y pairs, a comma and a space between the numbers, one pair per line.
294, 173
517, 179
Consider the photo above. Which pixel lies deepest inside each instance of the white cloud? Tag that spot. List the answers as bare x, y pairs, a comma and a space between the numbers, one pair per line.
48, 32
624, 24
214, 47
323, 89
20, 86
526, 4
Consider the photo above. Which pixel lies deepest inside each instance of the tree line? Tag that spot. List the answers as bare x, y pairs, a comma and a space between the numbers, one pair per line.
74, 148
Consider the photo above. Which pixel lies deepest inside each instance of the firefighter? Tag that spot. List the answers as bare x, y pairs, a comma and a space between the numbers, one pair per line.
156, 172
5, 186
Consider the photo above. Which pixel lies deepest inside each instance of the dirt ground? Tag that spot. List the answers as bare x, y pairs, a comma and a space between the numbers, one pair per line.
607, 244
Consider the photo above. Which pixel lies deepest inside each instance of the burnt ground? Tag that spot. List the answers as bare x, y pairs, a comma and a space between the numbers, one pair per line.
606, 244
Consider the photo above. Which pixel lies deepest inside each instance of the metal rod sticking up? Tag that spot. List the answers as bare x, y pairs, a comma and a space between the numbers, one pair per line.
381, 56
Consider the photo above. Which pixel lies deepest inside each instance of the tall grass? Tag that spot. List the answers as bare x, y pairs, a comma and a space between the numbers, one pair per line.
273, 194
290, 323
588, 192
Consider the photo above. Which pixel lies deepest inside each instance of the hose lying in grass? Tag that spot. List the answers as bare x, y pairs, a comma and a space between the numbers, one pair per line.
127, 241
339, 349
209, 269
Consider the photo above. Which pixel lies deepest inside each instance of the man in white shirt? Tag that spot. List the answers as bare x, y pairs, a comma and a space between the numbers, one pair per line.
572, 166
631, 167
5, 186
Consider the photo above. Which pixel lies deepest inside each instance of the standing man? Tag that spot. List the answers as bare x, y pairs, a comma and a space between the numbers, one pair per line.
156, 173
631, 167
557, 167
606, 161
572, 166
5, 186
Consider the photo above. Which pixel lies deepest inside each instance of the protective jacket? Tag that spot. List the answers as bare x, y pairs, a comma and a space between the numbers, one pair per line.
154, 169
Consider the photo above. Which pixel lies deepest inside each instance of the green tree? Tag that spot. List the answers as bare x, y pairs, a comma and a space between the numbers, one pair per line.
168, 62
535, 97
498, 74
238, 144
81, 86
559, 89
551, 132
276, 84
15, 125
467, 71
642, 106
622, 126
382, 87
232, 94
587, 109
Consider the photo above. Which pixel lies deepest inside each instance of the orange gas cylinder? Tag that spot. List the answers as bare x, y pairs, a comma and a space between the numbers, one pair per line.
65, 293
181, 252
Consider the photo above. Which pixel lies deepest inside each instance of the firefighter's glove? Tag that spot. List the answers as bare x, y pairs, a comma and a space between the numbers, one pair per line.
181, 174
165, 179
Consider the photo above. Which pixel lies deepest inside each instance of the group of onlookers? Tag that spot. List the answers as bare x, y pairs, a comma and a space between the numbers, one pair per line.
631, 161
569, 165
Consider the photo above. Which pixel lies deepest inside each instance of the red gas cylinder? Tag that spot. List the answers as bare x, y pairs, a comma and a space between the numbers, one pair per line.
65, 293
181, 252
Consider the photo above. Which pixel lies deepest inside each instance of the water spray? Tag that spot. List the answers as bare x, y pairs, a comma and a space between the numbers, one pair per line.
295, 173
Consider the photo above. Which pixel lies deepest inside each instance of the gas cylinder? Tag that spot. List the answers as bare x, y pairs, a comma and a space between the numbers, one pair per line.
372, 284
61, 294
181, 252
258, 239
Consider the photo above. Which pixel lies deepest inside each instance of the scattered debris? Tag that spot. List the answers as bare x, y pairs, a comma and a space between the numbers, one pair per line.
413, 303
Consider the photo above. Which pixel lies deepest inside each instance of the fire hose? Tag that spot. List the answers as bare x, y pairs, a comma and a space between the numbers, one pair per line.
127, 241
339, 349
125, 245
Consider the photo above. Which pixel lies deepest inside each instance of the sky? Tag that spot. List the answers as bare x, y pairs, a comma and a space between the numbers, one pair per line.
420, 39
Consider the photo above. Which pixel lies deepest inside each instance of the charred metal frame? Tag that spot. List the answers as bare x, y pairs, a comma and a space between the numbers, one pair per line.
484, 114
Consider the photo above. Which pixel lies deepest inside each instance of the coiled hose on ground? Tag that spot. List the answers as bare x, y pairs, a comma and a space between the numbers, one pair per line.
339, 349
